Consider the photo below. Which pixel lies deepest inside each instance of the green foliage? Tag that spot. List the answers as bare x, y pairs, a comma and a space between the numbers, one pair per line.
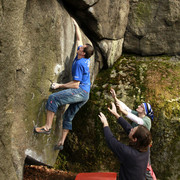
61, 162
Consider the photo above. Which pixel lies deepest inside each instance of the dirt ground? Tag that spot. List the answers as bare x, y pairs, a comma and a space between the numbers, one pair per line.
33, 172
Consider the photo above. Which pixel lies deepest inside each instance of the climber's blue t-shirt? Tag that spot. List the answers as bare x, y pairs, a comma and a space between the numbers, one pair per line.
81, 72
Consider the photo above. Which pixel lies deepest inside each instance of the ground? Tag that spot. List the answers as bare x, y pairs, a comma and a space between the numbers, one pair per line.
33, 172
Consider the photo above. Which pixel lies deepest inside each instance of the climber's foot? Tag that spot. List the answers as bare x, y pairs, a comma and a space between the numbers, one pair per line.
42, 130
58, 147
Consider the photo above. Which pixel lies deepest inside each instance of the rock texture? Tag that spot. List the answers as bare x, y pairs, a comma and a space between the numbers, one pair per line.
106, 26
153, 27
37, 46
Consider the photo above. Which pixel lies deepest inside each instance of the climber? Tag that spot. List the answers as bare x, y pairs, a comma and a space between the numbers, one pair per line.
76, 94
142, 116
133, 158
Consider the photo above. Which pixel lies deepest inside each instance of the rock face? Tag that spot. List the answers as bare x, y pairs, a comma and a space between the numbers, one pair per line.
153, 27
106, 25
37, 47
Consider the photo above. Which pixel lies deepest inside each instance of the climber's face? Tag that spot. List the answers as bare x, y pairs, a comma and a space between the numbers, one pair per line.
81, 52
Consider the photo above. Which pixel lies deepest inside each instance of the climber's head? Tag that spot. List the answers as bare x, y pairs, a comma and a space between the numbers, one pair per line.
85, 51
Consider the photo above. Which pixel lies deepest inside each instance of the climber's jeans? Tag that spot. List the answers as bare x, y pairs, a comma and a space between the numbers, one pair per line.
76, 98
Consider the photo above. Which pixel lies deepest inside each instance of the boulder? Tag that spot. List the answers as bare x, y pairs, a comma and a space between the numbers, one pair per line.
153, 27
106, 26
37, 47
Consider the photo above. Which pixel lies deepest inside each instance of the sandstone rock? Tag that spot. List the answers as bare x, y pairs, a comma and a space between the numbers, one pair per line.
37, 47
153, 27
108, 22
106, 26
111, 50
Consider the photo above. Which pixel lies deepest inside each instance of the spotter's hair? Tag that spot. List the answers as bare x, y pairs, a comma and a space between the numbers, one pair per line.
144, 139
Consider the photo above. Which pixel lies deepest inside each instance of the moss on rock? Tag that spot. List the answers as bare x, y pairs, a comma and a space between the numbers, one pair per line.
135, 79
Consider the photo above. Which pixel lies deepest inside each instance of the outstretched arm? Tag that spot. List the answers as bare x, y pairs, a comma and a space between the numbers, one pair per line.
78, 34
117, 147
126, 110
125, 125
129, 115
103, 119
113, 93
113, 110
135, 118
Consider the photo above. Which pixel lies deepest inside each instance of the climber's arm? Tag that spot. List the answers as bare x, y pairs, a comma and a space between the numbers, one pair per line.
78, 34
72, 84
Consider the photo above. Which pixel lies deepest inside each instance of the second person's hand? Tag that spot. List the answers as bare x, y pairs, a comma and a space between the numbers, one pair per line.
118, 104
103, 119
113, 93
113, 110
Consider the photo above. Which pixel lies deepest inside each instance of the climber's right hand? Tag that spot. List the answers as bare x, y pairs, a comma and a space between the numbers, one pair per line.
55, 86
